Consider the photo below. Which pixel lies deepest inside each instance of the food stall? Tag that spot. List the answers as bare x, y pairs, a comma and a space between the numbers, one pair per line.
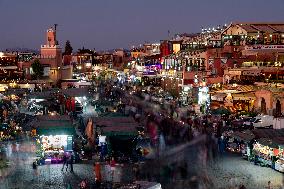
54, 138
279, 164
265, 151
117, 133
244, 140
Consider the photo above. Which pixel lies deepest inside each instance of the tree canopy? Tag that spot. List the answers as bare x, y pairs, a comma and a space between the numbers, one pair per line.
68, 48
37, 69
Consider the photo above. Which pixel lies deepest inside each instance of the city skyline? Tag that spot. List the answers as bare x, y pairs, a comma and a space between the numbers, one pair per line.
112, 24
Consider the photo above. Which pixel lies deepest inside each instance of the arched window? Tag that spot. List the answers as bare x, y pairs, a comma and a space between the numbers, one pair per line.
278, 109
263, 106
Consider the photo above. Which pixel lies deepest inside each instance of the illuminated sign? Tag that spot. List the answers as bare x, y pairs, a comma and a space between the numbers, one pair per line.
235, 72
176, 48
264, 47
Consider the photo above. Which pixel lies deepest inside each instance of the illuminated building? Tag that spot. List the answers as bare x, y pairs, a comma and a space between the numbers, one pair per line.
51, 59
8, 66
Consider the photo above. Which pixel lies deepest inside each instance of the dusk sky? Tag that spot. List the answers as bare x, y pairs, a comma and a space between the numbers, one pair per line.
107, 24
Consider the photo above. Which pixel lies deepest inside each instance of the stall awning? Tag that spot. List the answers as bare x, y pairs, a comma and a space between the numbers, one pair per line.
279, 141
243, 96
246, 88
268, 133
56, 131
245, 136
218, 97
54, 125
112, 126
267, 142
115, 131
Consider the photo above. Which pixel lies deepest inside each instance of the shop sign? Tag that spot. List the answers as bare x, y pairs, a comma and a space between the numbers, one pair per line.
264, 47
69, 143
243, 98
251, 72
235, 72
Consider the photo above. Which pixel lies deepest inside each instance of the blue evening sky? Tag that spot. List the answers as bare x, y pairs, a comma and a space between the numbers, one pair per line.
107, 24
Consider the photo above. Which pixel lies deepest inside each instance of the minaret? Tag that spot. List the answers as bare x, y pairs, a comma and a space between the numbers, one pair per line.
51, 37
52, 49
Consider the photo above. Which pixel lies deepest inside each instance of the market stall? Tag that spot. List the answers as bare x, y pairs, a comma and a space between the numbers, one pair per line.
244, 140
279, 164
265, 151
117, 133
54, 138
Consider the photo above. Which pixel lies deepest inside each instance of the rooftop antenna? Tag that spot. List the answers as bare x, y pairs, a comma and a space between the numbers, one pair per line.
55, 27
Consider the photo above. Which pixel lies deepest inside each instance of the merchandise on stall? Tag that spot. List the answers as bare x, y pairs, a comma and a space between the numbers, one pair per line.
264, 150
55, 137
279, 165
233, 145
54, 147
244, 140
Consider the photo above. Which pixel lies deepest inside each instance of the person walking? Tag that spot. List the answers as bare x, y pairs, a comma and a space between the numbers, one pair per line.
112, 168
136, 171
83, 184
269, 185
183, 173
35, 172
71, 161
65, 162
97, 173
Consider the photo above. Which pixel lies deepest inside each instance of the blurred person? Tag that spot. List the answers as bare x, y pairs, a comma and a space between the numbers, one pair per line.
112, 167
222, 144
269, 185
35, 170
136, 172
214, 141
183, 173
203, 156
97, 172
83, 184
71, 161
65, 162
108, 171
